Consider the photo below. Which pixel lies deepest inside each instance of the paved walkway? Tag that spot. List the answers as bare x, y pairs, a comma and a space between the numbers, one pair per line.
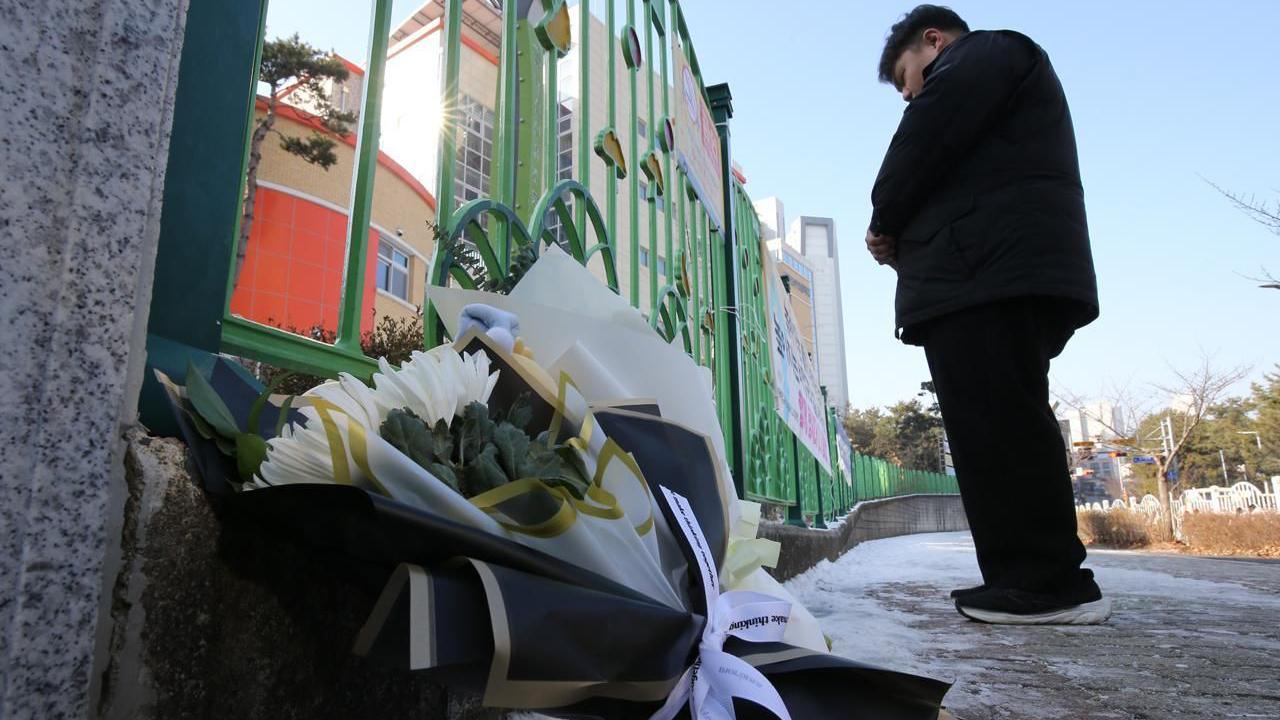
1190, 638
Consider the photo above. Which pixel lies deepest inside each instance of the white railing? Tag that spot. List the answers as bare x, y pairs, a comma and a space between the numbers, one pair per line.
1243, 497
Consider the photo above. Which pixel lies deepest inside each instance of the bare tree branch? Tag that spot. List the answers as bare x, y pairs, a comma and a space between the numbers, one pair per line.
1268, 280
1258, 211
1261, 213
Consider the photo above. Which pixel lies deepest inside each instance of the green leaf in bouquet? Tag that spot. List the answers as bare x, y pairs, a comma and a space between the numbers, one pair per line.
476, 432
575, 489
225, 446
446, 475
207, 403
407, 433
556, 465
521, 411
284, 415
251, 451
442, 441
513, 446
572, 467
483, 473
260, 402
572, 475
522, 261
540, 462
206, 431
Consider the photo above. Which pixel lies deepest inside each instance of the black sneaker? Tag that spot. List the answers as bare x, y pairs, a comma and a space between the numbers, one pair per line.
1002, 606
961, 592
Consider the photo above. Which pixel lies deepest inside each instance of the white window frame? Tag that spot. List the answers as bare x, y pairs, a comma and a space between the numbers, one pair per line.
396, 249
564, 171
475, 119
644, 261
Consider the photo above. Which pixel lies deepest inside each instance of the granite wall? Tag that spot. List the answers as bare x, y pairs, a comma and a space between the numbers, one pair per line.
216, 618
87, 88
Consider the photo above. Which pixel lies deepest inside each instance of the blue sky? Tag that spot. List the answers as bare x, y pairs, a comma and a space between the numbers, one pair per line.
1159, 99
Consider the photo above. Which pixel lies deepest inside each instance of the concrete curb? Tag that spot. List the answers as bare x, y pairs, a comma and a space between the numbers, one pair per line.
802, 548
218, 618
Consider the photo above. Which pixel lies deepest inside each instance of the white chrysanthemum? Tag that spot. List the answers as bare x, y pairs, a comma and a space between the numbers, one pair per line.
435, 385
301, 454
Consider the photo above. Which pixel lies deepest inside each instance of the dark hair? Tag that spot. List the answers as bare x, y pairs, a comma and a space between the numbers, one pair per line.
906, 33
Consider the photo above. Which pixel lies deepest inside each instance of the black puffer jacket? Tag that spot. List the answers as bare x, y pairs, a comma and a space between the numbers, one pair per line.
981, 186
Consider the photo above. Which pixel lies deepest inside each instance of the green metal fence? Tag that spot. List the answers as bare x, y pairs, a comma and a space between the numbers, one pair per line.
693, 268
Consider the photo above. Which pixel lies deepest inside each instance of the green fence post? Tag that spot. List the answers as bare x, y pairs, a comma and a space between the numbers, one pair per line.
722, 111
864, 479
819, 514
858, 473
352, 306
203, 180
795, 513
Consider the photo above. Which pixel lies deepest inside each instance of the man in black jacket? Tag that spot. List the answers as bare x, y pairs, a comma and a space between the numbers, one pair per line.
979, 208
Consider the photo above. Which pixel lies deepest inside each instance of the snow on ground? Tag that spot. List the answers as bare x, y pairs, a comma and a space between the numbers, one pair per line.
867, 626
854, 596
1191, 636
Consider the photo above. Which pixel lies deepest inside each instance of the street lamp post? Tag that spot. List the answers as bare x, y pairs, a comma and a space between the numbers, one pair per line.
1256, 438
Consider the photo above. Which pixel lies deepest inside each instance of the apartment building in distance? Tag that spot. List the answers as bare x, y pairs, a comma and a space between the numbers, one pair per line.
814, 238
797, 275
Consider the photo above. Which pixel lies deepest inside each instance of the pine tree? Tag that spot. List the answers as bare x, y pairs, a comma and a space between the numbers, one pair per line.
1266, 404
292, 62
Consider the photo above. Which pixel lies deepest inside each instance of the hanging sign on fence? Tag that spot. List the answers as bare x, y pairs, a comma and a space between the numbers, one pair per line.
796, 392
844, 451
697, 143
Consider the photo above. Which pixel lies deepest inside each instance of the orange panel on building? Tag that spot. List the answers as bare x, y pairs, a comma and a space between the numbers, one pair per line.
292, 275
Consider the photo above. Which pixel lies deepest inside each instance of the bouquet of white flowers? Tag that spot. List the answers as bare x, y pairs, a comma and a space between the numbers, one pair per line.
552, 494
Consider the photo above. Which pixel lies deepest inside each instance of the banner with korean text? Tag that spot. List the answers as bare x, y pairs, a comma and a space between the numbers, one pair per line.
697, 142
796, 391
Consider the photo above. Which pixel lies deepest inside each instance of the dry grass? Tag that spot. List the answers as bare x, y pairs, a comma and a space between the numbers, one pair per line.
1118, 529
1256, 533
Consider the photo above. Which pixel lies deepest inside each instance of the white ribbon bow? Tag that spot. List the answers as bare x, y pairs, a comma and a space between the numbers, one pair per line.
717, 677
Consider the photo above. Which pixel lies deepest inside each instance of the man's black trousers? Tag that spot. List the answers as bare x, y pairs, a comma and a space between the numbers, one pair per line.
990, 367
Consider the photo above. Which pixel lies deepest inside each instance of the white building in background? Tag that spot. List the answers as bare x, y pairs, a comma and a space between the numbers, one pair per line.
773, 220
1096, 422
808, 250
815, 239
795, 271
1182, 403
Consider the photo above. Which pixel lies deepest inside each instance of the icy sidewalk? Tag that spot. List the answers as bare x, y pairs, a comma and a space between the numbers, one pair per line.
1190, 638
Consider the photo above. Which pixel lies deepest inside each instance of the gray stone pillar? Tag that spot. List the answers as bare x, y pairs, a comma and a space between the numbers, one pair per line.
87, 92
